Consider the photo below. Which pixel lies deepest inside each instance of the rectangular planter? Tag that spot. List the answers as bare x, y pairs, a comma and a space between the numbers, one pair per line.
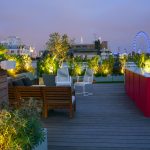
109, 79
118, 78
103, 79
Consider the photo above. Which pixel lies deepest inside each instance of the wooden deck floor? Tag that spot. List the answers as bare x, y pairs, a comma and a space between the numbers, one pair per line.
108, 120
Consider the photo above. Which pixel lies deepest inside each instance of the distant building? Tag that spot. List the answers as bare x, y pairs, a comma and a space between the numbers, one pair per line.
105, 53
15, 46
83, 46
89, 50
104, 45
83, 50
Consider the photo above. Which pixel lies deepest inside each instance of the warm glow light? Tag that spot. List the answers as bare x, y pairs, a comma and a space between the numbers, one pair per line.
77, 69
147, 66
106, 71
51, 70
27, 66
31, 49
11, 72
122, 70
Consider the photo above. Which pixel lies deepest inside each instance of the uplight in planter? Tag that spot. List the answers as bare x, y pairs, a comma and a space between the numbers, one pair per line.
11, 72
147, 66
51, 69
122, 70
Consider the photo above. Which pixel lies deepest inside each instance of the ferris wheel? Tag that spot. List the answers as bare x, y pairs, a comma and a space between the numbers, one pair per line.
141, 43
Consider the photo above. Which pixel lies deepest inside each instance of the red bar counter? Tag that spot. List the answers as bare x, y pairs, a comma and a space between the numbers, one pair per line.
137, 85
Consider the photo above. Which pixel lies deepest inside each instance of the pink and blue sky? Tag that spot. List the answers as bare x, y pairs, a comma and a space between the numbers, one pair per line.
116, 21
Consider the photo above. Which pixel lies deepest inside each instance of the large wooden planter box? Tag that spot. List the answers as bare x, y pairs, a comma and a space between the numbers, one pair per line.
3, 87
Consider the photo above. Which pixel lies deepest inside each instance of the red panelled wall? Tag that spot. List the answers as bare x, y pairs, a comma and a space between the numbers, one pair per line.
137, 88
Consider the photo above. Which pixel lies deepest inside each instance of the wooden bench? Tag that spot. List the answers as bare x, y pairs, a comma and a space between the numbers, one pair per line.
52, 97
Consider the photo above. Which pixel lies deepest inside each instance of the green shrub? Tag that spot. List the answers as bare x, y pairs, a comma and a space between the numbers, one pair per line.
140, 59
77, 70
93, 63
23, 64
48, 65
20, 129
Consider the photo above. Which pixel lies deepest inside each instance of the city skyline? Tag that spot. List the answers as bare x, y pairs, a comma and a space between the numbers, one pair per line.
114, 21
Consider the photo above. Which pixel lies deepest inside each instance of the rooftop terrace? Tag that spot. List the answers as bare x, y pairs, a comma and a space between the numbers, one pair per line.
108, 120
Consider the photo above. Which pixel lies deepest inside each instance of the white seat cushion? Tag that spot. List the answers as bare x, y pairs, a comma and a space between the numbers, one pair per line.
73, 99
63, 83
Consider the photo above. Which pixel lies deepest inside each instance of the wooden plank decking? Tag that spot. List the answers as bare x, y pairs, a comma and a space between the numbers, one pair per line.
108, 120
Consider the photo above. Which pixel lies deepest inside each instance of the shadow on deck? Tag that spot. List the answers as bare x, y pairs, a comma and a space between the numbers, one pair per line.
108, 120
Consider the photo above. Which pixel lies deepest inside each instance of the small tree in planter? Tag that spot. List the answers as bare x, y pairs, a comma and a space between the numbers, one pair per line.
93, 63
77, 70
106, 67
3, 52
147, 66
117, 67
123, 61
140, 59
48, 65
75, 66
58, 45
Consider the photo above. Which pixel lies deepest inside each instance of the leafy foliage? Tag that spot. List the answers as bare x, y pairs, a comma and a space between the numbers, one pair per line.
23, 63
20, 129
140, 59
106, 67
123, 61
93, 63
3, 52
77, 69
48, 65
147, 66
58, 45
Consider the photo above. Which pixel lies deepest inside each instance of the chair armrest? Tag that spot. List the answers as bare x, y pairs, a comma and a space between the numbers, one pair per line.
70, 79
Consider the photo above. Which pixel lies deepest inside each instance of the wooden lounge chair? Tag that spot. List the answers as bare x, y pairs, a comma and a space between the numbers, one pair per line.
58, 98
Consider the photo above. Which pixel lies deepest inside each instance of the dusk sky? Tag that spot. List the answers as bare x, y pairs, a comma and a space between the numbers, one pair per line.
116, 21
